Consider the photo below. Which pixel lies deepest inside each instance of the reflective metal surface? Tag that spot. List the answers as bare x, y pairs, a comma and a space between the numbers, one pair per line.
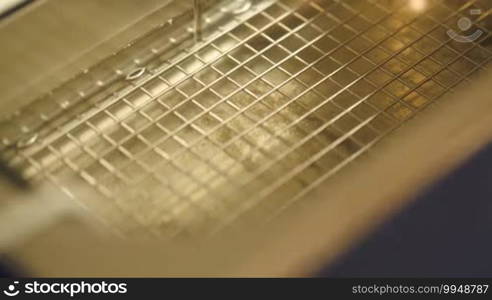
267, 106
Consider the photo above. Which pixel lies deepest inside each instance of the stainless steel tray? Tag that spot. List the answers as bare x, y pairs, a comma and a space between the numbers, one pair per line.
182, 138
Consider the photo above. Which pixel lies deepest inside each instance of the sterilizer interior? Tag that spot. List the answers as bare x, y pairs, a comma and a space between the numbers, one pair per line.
178, 138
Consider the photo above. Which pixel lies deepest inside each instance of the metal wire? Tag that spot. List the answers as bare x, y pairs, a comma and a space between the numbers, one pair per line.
252, 119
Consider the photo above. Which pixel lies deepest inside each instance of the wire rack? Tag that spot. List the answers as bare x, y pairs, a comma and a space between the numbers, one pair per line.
255, 116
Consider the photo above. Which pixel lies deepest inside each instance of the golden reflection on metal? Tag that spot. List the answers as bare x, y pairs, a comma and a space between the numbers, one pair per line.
252, 118
418, 5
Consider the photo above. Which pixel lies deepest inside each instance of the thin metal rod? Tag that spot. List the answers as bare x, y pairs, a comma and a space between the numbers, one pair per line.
197, 12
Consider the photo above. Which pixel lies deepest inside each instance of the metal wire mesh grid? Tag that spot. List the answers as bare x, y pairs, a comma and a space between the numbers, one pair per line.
260, 115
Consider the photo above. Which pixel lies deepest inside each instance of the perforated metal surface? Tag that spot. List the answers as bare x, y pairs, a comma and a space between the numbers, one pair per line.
260, 113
